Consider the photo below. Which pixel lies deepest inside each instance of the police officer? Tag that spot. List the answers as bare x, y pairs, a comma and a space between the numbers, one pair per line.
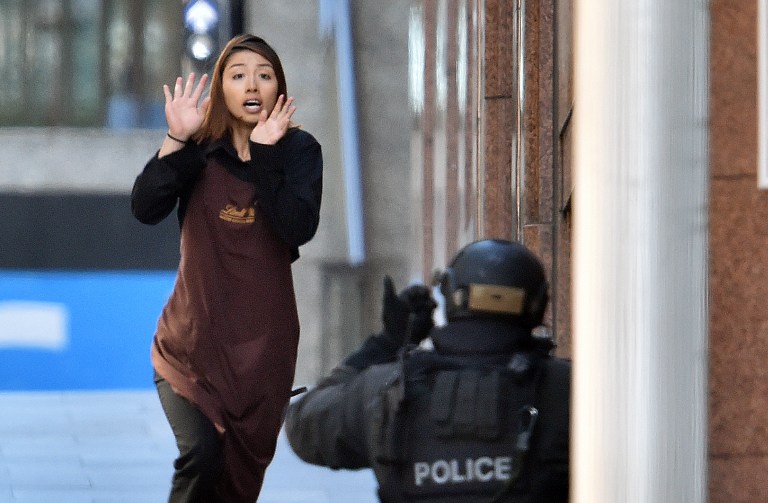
482, 416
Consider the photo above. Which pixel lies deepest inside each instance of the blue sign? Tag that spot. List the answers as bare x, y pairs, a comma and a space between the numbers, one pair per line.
79, 330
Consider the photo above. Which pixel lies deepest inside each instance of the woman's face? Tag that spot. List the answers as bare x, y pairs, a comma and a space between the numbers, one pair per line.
249, 86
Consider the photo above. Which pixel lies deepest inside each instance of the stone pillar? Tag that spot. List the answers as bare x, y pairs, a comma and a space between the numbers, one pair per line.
640, 251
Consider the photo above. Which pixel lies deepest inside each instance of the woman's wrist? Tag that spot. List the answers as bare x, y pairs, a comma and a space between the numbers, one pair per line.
176, 139
171, 144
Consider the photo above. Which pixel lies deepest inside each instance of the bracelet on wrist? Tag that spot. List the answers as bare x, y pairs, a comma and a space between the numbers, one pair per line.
175, 139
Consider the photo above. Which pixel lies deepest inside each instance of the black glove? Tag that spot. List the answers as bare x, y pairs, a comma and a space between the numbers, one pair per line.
407, 317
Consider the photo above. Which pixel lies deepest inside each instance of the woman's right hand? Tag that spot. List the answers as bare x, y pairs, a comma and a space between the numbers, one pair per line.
183, 110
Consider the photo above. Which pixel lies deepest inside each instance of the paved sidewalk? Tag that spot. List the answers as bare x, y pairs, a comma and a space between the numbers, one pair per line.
116, 447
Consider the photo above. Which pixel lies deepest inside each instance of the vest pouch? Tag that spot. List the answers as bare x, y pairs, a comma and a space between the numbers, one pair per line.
458, 438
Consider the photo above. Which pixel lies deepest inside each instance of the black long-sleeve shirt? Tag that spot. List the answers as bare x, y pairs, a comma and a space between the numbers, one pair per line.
287, 177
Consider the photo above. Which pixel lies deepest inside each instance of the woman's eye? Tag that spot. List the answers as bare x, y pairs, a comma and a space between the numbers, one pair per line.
237, 76
266, 76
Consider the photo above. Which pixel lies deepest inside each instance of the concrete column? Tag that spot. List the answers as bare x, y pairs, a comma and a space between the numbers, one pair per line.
640, 251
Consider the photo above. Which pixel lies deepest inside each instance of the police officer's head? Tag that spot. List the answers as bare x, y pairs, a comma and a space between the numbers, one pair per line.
495, 278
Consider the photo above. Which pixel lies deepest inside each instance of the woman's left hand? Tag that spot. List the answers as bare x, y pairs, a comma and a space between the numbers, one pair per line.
272, 127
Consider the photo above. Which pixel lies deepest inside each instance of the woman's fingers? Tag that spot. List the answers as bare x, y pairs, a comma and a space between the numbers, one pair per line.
190, 85
177, 87
200, 87
184, 108
290, 112
287, 107
278, 106
188, 89
204, 105
283, 108
184, 93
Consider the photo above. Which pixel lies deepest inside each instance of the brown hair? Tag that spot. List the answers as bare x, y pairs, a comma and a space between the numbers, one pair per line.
218, 121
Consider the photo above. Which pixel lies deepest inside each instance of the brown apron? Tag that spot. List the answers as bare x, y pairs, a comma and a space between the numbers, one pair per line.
228, 336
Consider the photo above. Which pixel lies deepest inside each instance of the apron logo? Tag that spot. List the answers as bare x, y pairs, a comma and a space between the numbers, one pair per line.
238, 216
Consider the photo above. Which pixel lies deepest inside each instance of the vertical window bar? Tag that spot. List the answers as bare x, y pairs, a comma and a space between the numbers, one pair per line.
762, 139
519, 145
64, 89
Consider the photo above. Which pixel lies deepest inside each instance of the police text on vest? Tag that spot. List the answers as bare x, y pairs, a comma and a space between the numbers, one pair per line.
453, 471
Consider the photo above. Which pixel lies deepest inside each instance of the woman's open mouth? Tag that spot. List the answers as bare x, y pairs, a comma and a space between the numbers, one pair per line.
252, 106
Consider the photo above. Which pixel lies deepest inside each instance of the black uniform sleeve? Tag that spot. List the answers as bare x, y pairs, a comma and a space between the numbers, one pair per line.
158, 187
331, 424
317, 425
376, 349
289, 184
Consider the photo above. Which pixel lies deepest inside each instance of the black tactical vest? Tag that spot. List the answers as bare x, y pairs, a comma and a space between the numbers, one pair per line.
459, 432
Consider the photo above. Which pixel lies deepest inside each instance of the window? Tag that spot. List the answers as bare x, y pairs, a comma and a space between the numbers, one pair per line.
88, 63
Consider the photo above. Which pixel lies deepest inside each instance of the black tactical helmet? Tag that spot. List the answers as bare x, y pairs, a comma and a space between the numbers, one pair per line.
493, 277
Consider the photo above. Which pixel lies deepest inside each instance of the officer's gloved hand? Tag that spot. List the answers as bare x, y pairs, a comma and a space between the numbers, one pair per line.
407, 317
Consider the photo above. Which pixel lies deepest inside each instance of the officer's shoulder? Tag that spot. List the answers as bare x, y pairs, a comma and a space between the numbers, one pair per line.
380, 375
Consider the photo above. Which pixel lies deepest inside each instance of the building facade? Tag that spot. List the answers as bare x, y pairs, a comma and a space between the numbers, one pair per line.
521, 186
738, 259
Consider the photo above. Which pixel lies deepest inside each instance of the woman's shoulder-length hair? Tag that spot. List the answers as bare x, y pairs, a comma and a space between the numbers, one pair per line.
218, 121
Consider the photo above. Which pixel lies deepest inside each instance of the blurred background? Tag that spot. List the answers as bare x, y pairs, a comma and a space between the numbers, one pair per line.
441, 121
389, 89
81, 282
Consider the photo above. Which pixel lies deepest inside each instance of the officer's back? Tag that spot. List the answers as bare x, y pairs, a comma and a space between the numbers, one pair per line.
482, 417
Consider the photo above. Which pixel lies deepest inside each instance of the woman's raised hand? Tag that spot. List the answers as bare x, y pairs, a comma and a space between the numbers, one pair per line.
272, 127
184, 111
